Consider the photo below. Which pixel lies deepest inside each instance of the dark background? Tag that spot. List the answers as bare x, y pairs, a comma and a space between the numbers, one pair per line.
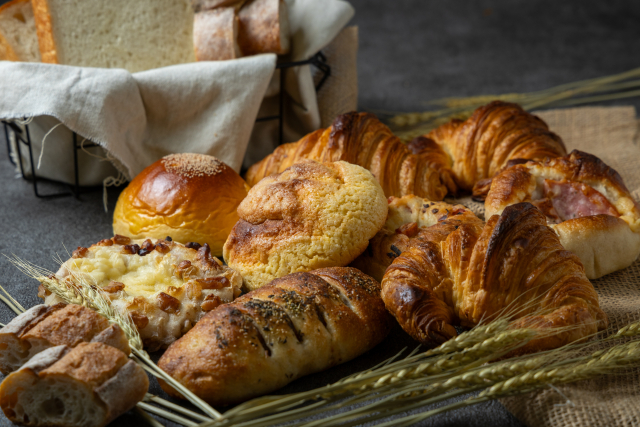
411, 52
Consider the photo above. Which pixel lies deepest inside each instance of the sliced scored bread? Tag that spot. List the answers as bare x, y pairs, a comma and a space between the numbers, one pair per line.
215, 34
135, 35
18, 40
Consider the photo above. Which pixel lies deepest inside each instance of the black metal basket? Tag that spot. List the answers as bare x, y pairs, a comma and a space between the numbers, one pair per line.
23, 137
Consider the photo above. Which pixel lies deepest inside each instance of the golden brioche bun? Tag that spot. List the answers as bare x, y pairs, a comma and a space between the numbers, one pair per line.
190, 197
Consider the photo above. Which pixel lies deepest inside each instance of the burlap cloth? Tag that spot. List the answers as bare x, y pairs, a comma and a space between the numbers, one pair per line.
610, 133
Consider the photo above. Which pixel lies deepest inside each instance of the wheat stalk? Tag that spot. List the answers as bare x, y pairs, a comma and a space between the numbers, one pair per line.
618, 86
78, 291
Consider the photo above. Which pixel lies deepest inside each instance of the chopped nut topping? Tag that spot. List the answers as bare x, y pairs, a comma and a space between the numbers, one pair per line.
80, 252
105, 242
214, 282
121, 240
193, 245
130, 249
185, 269
409, 230
168, 303
140, 320
211, 302
113, 287
162, 247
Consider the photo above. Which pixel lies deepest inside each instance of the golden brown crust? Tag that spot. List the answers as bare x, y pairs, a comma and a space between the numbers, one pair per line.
475, 273
294, 326
310, 216
588, 187
495, 133
215, 34
42, 15
408, 216
88, 385
260, 27
190, 197
361, 139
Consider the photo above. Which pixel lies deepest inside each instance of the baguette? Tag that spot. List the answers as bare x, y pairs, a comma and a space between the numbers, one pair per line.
294, 326
89, 386
215, 34
43, 327
264, 27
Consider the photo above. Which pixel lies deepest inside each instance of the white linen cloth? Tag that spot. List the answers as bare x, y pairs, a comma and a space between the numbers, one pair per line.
206, 107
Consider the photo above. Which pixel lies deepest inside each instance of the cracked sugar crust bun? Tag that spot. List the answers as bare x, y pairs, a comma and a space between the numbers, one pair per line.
584, 200
312, 215
164, 285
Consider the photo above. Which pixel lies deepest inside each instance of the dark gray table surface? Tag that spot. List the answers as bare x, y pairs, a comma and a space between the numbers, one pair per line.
410, 52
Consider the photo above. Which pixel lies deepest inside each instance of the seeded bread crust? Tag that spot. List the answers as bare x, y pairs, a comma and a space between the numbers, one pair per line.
165, 286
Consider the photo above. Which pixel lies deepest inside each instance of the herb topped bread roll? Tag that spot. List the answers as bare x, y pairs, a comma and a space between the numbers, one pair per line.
294, 326
190, 197
310, 216
165, 286
584, 201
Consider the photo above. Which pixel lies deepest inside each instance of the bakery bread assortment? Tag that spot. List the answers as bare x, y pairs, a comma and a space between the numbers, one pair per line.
421, 168
459, 272
312, 215
134, 35
584, 201
294, 326
407, 216
89, 386
165, 286
18, 40
42, 327
190, 197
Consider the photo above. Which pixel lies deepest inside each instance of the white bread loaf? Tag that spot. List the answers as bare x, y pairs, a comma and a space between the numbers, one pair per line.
18, 40
135, 35
88, 386
215, 34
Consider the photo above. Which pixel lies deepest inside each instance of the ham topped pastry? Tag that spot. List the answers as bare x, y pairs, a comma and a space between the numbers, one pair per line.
585, 202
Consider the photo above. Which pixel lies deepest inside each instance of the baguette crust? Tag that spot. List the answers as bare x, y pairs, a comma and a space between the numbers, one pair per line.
43, 327
88, 385
215, 34
264, 27
604, 242
294, 326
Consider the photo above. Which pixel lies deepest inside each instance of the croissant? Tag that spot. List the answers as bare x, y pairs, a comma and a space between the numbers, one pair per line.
458, 273
494, 134
421, 168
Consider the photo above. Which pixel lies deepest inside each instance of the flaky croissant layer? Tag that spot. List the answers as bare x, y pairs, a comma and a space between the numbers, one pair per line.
469, 273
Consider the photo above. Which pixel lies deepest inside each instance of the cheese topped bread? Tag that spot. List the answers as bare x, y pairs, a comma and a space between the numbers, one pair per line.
165, 286
134, 35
